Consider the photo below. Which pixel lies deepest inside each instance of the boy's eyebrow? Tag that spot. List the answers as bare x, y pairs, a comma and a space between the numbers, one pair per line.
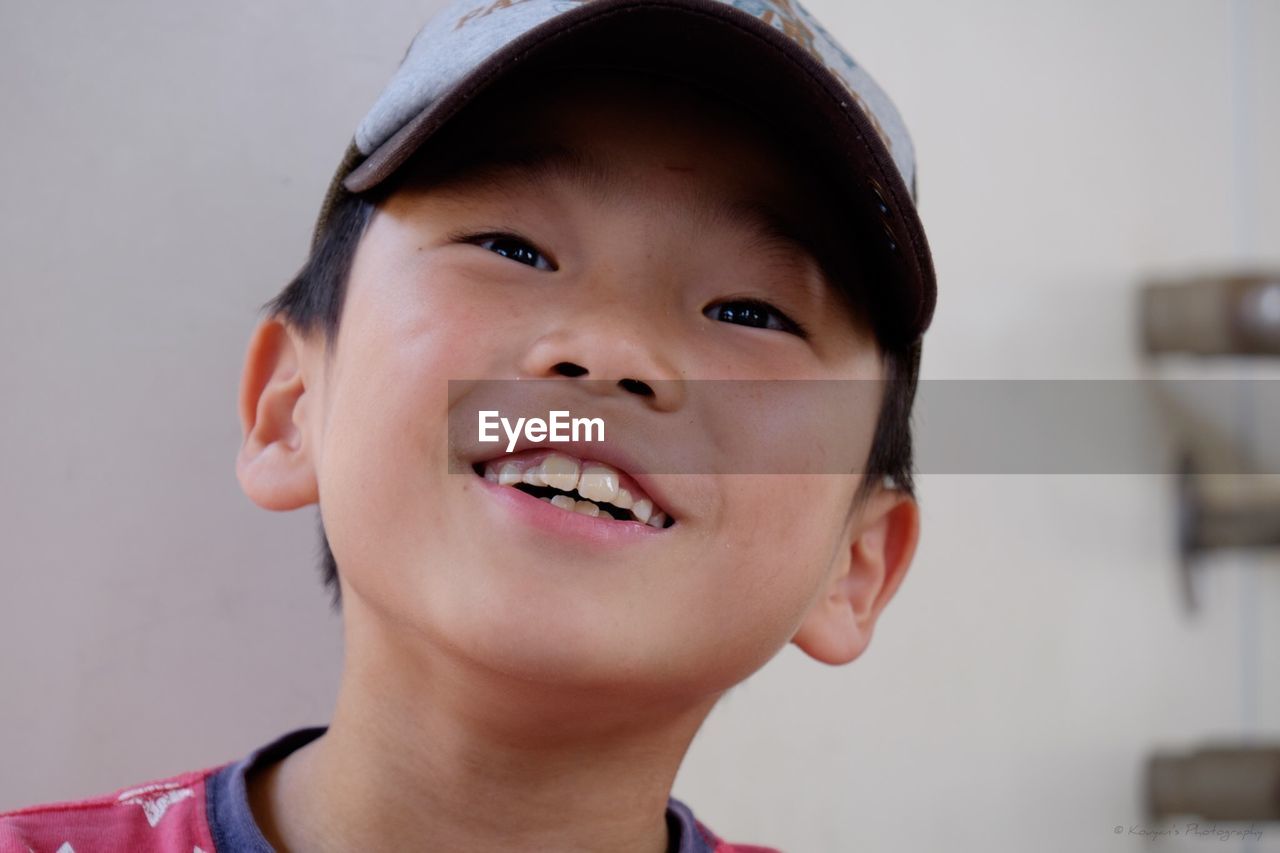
493, 168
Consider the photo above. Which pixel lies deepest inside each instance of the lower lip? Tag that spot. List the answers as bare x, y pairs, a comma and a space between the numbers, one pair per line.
540, 514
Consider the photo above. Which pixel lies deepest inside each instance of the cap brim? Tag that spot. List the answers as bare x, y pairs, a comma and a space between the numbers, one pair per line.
747, 61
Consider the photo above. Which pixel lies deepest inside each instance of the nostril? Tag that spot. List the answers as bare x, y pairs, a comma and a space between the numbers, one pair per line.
635, 386
568, 368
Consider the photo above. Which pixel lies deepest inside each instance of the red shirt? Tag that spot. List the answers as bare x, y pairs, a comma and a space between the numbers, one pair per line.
207, 811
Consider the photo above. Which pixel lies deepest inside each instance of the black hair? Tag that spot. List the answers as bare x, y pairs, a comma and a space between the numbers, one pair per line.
312, 302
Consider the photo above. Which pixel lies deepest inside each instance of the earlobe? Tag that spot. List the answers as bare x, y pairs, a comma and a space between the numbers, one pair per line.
879, 543
275, 462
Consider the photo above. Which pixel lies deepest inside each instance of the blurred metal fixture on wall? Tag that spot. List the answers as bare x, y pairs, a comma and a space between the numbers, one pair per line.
1221, 511
1216, 782
1230, 511
1231, 314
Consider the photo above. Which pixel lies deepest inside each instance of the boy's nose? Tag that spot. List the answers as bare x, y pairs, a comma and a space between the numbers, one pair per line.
622, 358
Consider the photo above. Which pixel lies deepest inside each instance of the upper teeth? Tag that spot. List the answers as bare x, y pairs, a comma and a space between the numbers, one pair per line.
594, 482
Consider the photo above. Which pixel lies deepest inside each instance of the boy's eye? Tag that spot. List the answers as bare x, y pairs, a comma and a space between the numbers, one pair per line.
511, 246
754, 313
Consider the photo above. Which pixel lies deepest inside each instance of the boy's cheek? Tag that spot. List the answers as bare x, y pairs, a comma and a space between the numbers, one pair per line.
779, 531
415, 344
785, 428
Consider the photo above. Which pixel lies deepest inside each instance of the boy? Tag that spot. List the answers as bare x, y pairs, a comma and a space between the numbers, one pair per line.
619, 198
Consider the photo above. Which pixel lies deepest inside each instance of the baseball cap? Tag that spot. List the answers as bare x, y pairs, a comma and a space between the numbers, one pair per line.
771, 57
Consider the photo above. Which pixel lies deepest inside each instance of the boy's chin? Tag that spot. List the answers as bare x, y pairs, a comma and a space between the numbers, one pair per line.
631, 634
595, 657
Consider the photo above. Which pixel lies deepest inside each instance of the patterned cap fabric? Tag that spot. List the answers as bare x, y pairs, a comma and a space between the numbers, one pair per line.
746, 45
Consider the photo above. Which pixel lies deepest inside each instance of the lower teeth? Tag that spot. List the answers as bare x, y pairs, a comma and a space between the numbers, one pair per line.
572, 503
567, 503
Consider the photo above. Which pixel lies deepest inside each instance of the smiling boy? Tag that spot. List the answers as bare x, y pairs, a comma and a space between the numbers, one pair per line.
535, 634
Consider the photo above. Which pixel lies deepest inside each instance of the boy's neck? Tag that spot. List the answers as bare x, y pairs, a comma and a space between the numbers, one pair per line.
427, 747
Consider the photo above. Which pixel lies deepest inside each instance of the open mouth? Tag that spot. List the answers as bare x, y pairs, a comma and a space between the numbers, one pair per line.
573, 485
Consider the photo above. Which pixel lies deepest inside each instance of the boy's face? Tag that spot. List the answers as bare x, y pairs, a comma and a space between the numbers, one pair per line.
623, 278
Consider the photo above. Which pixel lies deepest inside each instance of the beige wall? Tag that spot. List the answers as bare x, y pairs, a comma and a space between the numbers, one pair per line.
162, 163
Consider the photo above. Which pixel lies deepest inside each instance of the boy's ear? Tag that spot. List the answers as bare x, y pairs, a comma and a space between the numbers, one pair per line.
879, 542
275, 463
